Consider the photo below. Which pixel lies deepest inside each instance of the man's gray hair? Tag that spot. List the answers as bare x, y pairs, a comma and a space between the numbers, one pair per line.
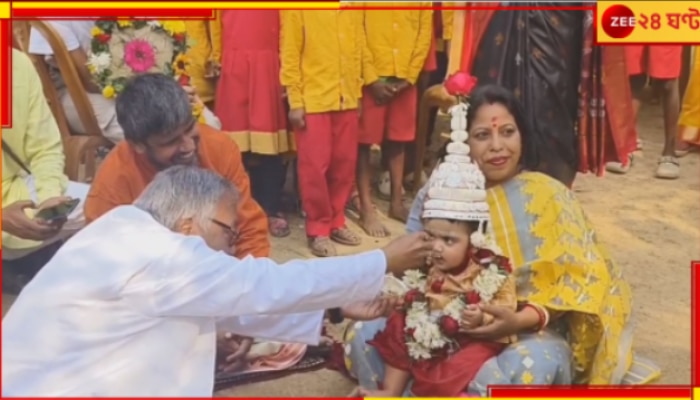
182, 192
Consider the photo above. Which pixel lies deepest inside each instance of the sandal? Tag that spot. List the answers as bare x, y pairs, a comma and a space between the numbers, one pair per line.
345, 236
278, 225
322, 246
618, 168
669, 168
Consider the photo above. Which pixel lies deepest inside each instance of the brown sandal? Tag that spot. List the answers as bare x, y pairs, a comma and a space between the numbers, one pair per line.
345, 236
322, 246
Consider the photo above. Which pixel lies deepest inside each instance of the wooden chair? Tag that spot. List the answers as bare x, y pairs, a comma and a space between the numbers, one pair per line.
20, 35
437, 96
79, 148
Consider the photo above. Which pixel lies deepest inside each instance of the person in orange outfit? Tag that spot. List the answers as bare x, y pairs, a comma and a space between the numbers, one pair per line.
321, 63
398, 42
160, 131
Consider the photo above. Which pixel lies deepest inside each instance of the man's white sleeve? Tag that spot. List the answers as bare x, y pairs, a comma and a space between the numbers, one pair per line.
194, 281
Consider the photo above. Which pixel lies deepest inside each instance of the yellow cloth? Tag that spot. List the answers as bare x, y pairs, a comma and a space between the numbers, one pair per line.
561, 265
689, 120
398, 41
321, 55
205, 46
36, 140
448, 18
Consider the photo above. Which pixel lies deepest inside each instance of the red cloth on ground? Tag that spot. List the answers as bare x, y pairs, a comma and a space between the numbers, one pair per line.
446, 376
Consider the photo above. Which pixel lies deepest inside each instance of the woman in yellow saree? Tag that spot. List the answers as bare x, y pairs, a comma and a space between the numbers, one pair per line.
559, 264
689, 121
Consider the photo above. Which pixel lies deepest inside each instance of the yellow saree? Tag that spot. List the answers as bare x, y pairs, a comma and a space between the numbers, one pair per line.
561, 265
689, 121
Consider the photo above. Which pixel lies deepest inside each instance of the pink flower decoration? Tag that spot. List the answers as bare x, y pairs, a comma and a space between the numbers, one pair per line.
460, 84
139, 55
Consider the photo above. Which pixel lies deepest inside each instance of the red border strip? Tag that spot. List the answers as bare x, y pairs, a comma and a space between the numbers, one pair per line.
6, 72
694, 319
90, 13
636, 392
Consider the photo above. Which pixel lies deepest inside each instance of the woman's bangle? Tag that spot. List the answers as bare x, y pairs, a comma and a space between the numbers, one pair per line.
542, 315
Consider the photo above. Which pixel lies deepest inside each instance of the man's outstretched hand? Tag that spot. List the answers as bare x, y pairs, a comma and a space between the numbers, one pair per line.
407, 252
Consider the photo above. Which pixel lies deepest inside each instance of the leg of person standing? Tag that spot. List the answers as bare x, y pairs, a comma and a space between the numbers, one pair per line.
662, 65
314, 153
665, 70
344, 130
372, 125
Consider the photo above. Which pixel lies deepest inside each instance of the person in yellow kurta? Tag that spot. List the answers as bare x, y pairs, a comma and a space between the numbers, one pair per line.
398, 42
205, 55
689, 121
32, 169
321, 57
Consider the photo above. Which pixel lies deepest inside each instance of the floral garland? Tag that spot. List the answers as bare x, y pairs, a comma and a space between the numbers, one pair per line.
123, 48
430, 333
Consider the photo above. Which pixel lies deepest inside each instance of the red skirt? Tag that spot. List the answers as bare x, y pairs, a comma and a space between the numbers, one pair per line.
249, 101
444, 376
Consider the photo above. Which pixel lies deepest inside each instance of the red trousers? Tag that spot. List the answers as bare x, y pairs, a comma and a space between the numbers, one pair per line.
326, 160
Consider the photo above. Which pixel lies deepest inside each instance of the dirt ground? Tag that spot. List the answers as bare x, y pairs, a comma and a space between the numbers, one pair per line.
651, 227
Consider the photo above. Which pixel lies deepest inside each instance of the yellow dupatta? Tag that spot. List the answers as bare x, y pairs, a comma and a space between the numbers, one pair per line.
561, 265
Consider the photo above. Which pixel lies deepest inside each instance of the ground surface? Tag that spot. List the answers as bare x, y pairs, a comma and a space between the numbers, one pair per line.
652, 229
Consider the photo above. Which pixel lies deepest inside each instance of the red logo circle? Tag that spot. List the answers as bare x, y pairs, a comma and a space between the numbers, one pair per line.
618, 21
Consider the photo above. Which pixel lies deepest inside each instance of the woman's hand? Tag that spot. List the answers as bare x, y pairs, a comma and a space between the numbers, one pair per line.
506, 322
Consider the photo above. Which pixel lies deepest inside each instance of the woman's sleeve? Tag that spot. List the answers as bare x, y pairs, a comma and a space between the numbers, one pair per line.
414, 224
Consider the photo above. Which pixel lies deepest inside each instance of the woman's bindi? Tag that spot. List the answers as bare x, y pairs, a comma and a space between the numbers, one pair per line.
494, 122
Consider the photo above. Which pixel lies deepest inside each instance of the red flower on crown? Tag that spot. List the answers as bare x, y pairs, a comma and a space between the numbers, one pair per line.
460, 84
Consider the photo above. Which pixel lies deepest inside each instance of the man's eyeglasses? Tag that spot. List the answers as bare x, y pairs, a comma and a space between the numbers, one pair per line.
231, 232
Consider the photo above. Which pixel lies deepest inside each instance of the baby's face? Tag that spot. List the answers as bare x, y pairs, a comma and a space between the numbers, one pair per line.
450, 242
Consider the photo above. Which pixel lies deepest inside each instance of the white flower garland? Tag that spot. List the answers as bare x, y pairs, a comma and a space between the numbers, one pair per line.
424, 335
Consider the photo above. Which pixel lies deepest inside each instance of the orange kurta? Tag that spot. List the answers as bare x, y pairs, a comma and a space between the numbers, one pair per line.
124, 174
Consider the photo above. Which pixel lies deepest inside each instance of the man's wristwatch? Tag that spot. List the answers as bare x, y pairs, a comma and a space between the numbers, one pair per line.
335, 315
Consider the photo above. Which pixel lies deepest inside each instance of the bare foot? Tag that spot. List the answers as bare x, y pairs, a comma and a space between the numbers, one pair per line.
398, 212
369, 221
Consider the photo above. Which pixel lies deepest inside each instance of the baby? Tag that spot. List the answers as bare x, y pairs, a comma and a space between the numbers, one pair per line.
424, 341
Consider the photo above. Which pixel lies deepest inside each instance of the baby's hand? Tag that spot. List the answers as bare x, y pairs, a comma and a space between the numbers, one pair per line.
472, 317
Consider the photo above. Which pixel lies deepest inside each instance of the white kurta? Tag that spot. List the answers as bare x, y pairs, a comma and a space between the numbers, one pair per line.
129, 308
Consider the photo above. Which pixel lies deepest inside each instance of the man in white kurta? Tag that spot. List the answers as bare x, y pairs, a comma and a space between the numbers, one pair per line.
130, 307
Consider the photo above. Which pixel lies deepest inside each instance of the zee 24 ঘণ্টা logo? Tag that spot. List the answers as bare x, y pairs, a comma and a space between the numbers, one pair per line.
619, 21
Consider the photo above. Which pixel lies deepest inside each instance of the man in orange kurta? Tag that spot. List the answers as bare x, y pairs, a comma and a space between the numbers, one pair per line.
160, 131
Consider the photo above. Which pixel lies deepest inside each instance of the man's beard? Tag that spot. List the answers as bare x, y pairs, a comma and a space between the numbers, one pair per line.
172, 162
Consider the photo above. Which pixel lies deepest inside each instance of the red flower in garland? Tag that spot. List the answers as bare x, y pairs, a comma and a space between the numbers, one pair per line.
412, 296
484, 256
103, 38
504, 263
183, 80
448, 325
180, 37
472, 297
436, 286
460, 84
410, 332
